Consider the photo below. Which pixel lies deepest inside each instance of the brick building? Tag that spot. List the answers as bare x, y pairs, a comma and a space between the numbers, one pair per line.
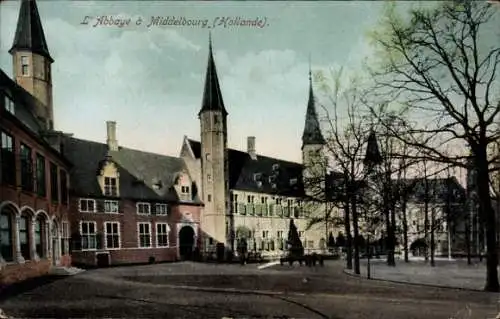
34, 181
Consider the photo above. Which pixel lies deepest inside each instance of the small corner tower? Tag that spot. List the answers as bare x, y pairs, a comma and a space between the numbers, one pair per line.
32, 61
372, 157
313, 144
214, 159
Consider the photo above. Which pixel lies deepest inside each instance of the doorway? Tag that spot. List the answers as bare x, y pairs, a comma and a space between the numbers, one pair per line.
186, 242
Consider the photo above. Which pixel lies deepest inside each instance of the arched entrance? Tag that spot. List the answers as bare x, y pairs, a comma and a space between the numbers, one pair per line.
418, 247
186, 242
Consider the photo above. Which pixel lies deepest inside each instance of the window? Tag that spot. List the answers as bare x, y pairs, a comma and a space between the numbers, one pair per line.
257, 177
65, 238
41, 183
88, 231
110, 186
276, 167
112, 230
64, 187
208, 156
293, 181
162, 235
209, 197
301, 234
143, 208
47, 71
24, 238
209, 178
39, 237
279, 234
24, 66
9, 105
111, 206
144, 233
54, 189
6, 246
161, 209
26, 168
185, 189
87, 206
265, 233
8, 159
250, 199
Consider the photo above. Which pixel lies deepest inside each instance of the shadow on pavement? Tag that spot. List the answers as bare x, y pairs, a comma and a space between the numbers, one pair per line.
10, 291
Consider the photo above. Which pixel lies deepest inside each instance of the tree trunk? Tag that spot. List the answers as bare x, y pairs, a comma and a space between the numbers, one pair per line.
488, 218
405, 230
433, 245
467, 237
356, 235
347, 226
426, 213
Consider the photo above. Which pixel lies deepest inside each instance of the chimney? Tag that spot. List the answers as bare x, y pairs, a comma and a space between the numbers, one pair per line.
251, 147
111, 141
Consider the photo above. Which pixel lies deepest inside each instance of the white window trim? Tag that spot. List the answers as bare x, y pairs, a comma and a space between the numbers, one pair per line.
86, 211
139, 235
143, 203
156, 235
117, 206
161, 205
106, 235
81, 234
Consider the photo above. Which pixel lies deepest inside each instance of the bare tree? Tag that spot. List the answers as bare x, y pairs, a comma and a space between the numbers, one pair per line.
441, 63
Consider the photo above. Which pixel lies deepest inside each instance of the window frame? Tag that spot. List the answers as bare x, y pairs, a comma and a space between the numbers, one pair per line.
40, 175
25, 63
139, 234
143, 204
26, 167
54, 182
88, 234
26, 250
86, 200
112, 234
8, 153
10, 235
65, 237
9, 105
166, 233
109, 188
161, 205
111, 202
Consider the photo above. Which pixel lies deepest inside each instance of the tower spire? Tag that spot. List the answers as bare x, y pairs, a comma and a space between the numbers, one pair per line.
312, 132
212, 96
29, 34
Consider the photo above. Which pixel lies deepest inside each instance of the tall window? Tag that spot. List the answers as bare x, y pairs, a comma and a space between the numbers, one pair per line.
26, 168
24, 238
88, 232
64, 187
39, 237
65, 238
144, 233
112, 235
143, 208
9, 105
54, 189
162, 235
47, 70
41, 183
110, 186
8, 159
6, 246
87, 205
25, 66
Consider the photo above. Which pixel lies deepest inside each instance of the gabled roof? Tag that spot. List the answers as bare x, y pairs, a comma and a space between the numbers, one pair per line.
29, 32
259, 175
138, 171
312, 132
212, 95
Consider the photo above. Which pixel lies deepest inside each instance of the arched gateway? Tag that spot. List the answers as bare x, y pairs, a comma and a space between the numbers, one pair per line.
186, 242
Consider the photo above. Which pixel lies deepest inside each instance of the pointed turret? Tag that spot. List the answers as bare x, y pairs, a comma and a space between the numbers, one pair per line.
312, 132
212, 96
372, 157
29, 32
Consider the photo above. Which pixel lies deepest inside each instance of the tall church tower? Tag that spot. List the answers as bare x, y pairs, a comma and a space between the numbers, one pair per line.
313, 143
32, 61
214, 159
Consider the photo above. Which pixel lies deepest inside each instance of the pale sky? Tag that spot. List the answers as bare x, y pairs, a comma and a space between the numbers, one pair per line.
150, 80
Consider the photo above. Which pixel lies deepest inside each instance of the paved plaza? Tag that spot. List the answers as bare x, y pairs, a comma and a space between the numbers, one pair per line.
195, 290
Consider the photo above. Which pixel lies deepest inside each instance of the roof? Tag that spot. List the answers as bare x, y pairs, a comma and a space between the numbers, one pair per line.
138, 171
24, 113
259, 175
29, 32
372, 156
212, 95
437, 189
312, 132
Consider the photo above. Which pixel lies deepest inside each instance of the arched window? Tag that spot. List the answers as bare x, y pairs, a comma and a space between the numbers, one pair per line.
40, 241
24, 237
6, 242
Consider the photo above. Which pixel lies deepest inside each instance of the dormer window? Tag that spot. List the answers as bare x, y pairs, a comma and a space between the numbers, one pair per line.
25, 66
276, 167
293, 181
185, 189
257, 177
272, 179
157, 184
9, 105
110, 186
